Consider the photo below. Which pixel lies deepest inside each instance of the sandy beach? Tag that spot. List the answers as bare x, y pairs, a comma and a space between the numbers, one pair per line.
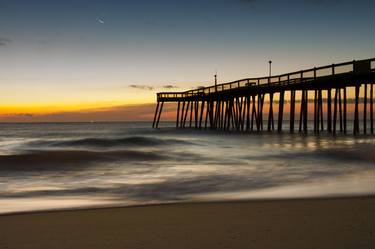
315, 223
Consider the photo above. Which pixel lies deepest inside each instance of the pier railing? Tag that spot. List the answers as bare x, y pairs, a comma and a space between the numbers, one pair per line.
297, 77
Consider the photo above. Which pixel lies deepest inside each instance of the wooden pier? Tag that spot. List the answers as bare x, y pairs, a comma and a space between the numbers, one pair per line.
320, 96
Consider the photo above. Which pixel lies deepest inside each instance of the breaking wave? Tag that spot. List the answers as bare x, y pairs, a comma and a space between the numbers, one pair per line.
133, 141
128, 164
67, 159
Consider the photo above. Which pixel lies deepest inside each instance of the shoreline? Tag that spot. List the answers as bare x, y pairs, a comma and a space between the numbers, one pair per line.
339, 222
254, 200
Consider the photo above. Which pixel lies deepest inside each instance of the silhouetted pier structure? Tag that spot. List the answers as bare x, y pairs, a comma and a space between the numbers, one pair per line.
319, 94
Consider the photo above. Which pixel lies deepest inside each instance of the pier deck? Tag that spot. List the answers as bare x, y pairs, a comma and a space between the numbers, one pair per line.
239, 105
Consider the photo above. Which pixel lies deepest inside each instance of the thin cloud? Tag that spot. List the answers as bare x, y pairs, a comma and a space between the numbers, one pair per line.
142, 87
170, 86
4, 41
142, 112
23, 115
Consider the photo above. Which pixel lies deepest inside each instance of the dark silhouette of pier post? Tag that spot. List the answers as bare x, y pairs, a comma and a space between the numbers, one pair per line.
320, 94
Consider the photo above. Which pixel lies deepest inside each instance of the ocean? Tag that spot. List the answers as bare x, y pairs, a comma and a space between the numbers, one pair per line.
80, 165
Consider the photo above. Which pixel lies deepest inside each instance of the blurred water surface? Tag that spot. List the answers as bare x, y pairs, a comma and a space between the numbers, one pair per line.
54, 166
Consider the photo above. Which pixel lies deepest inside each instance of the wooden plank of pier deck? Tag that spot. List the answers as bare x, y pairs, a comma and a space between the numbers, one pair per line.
242, 99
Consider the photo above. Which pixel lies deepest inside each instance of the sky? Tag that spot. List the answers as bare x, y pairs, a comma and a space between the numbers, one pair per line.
88, 60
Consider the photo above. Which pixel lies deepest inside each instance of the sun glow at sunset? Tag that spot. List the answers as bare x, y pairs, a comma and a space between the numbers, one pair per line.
180, 124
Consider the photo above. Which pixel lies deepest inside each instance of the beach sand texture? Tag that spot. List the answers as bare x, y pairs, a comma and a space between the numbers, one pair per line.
316, 223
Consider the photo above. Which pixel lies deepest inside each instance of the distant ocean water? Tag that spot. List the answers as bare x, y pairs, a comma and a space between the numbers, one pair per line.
55, 166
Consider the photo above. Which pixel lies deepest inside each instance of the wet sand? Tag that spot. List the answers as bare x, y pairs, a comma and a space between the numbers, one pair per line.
316, 223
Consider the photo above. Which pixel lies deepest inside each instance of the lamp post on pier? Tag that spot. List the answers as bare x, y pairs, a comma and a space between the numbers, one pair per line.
215, 80
270, 67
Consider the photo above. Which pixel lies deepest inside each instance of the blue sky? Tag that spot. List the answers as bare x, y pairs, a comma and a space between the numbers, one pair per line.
90, 53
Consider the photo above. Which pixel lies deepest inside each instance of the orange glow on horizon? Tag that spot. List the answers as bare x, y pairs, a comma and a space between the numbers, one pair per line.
42, 109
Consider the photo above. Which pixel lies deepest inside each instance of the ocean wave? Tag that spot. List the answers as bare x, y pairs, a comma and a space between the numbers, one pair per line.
182, 188
133, 141
359, 153
169, 189
68, 159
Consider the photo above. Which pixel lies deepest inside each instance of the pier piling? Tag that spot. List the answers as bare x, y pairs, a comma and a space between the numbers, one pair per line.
241, 105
